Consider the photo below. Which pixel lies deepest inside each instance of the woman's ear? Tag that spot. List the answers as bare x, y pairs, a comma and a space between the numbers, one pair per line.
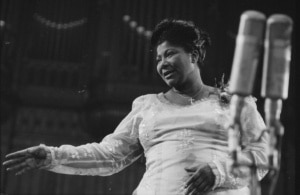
195, 56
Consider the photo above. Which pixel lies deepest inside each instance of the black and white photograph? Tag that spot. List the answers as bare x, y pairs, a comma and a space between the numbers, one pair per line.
148, 97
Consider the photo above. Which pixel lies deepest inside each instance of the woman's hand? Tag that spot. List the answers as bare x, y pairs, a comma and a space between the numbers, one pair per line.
24, 160
201, 181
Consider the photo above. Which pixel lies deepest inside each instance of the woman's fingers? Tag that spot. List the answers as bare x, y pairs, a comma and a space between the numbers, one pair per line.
17, 154
198, 189
18, 166
192, 184
197, 186
189, 181
36, 151
196, 192
207, 188
12, 162
203, 182
24, 160
202, 187
200, 182
30, 162
193, 178
193, 192
23, 170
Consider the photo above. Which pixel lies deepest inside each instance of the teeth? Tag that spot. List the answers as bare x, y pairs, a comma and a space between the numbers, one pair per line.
167, 72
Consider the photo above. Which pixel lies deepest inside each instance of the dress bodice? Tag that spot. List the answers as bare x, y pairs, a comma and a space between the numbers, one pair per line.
173, 138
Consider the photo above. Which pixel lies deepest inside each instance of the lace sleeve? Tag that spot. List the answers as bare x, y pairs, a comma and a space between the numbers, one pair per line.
114, 153
253, 124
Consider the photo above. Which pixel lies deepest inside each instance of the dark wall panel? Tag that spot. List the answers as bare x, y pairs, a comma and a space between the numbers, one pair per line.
71, 68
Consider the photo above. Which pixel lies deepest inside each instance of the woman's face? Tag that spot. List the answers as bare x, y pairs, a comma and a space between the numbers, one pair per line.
175, 65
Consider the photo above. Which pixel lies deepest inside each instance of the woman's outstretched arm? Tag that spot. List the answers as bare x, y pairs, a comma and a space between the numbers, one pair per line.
115, 152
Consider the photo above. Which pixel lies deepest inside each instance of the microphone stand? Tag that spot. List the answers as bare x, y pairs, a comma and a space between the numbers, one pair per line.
235, 134
275, 129
274, 87
272, 110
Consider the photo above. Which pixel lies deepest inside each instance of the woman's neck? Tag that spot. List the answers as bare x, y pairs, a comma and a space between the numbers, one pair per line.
190, 92
188, 95
191, 89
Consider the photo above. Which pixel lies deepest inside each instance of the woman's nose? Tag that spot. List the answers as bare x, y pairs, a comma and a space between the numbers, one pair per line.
164, 63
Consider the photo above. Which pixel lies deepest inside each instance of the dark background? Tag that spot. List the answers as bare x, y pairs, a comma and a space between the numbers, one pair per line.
70, 70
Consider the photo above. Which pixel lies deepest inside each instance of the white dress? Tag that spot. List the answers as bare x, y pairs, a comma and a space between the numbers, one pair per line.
172, 137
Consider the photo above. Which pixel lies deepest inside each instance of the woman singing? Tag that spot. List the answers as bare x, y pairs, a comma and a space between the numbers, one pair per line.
182, 132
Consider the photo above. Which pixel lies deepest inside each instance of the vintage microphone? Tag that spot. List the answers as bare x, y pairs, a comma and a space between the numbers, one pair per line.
248, 48
275, 82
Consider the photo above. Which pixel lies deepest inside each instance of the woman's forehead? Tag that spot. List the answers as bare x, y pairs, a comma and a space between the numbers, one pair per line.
166, 45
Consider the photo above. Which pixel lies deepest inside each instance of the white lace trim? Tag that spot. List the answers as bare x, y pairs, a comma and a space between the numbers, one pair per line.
219, 172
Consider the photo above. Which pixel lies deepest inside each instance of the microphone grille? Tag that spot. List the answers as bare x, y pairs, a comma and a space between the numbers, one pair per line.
277, 56
280, 26
252, 24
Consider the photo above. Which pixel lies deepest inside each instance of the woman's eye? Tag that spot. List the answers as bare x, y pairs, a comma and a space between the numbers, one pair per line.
170, 54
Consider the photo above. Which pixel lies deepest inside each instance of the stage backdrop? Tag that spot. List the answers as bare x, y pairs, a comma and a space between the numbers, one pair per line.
70, 70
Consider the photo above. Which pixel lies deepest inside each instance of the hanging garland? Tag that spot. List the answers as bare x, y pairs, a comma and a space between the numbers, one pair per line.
57, 25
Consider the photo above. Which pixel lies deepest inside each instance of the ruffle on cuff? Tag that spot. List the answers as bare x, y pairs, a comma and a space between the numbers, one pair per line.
261, 173
219, 172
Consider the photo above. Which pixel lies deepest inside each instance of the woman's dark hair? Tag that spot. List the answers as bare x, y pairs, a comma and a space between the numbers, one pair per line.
181, 33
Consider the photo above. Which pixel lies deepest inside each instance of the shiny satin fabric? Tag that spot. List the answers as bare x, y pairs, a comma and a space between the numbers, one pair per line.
172, 137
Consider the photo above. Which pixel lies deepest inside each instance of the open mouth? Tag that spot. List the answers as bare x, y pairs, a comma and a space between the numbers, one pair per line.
168, 73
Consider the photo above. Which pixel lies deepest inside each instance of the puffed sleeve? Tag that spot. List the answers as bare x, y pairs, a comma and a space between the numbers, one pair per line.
115, 152
254, 151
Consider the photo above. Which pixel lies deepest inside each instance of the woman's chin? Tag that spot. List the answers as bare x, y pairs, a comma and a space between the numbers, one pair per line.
171, 82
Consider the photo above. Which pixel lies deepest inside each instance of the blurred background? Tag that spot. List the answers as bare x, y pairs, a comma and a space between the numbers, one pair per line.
70, 70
